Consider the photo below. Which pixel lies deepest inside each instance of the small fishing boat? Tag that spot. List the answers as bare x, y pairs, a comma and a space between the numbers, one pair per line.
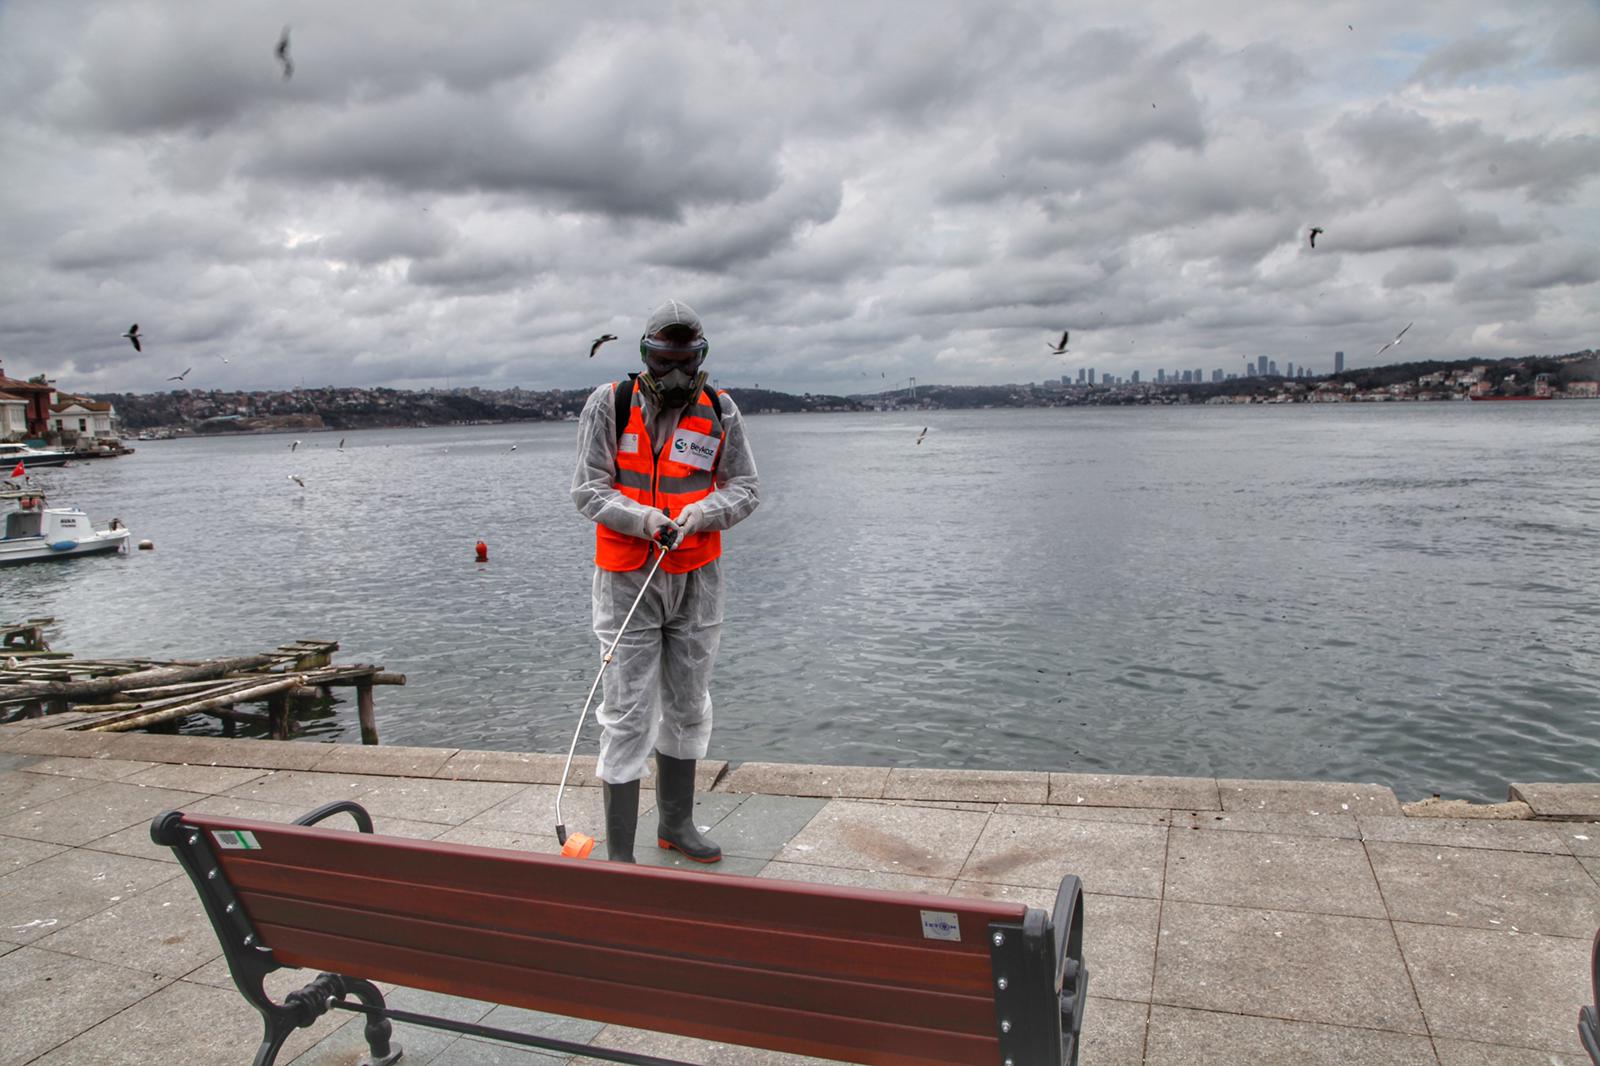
12, 453
35, 532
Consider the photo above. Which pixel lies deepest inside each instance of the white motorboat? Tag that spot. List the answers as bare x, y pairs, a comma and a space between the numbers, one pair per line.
12, 453
34, 532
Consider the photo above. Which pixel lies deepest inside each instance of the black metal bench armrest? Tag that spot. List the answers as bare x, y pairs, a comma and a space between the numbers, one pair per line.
1071, 975
328, 810
1589, 1016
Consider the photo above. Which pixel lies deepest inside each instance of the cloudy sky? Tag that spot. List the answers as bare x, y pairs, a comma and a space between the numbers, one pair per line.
851, 194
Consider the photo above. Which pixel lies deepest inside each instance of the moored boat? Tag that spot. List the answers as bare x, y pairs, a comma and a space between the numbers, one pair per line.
34, 532
12, 453
1491, 396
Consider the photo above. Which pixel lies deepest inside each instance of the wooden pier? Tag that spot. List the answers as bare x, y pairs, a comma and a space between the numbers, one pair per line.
117, 695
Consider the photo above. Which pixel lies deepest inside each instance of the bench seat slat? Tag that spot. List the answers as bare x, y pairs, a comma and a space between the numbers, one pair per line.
544, 962
524, 875
681, 1012
916, 967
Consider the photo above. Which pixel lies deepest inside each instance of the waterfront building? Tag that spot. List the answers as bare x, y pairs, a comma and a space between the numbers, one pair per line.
1338, 362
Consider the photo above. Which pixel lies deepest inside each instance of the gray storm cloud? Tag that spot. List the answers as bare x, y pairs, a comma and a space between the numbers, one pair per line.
846, 191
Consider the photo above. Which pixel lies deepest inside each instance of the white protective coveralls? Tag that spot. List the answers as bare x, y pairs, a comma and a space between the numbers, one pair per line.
657, 690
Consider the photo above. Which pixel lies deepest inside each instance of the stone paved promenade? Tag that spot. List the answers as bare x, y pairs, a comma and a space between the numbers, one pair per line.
1226, 922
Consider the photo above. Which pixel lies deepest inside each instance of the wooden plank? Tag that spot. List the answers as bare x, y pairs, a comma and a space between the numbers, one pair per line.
732, 975
673, 1011
103, 686
148, 717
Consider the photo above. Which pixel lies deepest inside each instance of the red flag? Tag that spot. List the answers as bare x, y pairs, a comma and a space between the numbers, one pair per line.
20, 471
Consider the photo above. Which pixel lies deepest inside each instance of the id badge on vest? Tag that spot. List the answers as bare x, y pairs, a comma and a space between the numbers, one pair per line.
694, 449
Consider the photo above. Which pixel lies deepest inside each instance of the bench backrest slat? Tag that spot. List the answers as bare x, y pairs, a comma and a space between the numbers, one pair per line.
812, 969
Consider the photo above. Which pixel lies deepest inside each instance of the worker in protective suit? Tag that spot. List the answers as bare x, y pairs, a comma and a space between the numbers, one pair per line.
663, 465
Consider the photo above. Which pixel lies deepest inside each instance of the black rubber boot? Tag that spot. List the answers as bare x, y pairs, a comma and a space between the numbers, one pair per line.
622, 819
675, 804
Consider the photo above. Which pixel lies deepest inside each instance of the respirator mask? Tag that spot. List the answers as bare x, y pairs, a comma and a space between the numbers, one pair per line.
672, 359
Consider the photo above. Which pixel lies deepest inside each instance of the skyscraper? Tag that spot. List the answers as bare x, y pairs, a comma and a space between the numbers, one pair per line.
1091, 375
1272, 368
1290, 372
1080, 375
1136, 377
1261, 366
1161, 377
1338, 362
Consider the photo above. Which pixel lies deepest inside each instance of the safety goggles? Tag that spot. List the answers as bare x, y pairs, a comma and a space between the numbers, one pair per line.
663, 356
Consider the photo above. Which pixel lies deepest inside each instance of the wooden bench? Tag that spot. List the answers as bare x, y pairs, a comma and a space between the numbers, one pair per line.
838, 973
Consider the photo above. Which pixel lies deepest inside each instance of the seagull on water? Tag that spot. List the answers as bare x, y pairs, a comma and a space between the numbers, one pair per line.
1396, 340
293, 446
282, 52
1059, 348
513, 447
133, 335
180, 377
598, 341
924, 433
296, 479
341, 444
1314, 231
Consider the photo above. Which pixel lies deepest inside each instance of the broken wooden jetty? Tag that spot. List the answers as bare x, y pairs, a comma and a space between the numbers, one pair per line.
117, 695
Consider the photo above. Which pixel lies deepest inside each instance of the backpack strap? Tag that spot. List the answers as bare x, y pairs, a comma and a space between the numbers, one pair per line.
623, 394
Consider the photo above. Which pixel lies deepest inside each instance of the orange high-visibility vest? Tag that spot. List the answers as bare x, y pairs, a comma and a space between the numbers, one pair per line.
684, 474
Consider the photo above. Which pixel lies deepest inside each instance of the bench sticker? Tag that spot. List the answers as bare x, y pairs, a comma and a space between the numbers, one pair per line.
235, 839
941, 925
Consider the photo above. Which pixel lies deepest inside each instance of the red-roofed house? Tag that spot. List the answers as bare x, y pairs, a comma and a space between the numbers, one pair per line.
37, 398
83, 418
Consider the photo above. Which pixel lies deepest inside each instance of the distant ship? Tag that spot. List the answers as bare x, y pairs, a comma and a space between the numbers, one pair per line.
1475, 396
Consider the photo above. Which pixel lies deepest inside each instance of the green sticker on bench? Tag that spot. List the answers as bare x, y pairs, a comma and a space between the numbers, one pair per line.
236, 840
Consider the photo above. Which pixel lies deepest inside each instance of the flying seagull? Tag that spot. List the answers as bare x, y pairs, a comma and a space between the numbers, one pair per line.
1059, 348
180, 377
513, 447
1396, 340
598, 341
293, 446
133, 335
1314, 231
296, 479
924, 433
283, 55
341, 444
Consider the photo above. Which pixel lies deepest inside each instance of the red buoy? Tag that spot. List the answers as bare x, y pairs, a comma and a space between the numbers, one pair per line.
483, 552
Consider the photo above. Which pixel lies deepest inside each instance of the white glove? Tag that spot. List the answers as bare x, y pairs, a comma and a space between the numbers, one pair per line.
659, 528
692, 519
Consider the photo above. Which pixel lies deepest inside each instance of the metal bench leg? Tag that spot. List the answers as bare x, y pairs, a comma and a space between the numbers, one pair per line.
279, 1026
378, 1029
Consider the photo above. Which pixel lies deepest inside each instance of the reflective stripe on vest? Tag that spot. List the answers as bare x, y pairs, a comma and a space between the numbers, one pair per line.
662, 483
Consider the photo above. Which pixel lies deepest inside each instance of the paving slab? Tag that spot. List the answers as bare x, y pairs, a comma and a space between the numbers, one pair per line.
346, 1045
520, 767
1541, 837
161, 930
56, 997
1291, 965
16, 852
703, 1052
1113, 1032
1182, 1037
1465, 1053
46, 896
21, 791
1498, 988
189, 777
1273, 871
909, 840
784, 779
180, 1023
978, 786
234, 807
759, 826
1581, 838
99, 769
104, 807
1129, 815
1509, 890
305, 789
48, 741
1340, 826
1593, 866
847, 877
1133, 790
11, 761
383, 760
219, 751
646, 853
470, 1051
1109, 857
1576, 801
426, 800
1307, 797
